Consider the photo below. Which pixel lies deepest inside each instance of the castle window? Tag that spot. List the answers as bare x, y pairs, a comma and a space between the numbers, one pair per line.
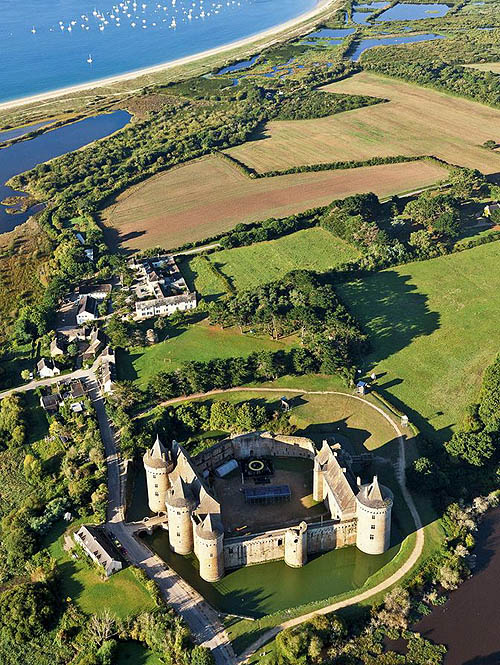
156, 494
372, 537
280, 542
373, 517
373, 526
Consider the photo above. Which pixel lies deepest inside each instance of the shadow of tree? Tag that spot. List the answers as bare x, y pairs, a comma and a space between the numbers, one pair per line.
390, 310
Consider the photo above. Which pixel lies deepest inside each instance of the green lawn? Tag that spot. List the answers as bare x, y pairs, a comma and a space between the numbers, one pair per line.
247, 267
200, 342
433, 327
122, 594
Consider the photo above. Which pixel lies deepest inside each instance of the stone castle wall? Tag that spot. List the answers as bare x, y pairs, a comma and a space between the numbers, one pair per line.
270, 545
258, 444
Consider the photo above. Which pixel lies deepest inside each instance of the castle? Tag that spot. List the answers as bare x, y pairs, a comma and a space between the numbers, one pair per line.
178, 487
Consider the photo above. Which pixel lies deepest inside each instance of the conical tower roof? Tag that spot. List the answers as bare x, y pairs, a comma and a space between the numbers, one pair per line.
158, 456
179, 495
211, 527
374, 495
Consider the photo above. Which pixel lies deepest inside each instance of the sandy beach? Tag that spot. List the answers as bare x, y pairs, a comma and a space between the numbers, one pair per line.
52, 94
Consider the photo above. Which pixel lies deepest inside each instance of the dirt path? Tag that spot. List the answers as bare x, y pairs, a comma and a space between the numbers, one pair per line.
400, 475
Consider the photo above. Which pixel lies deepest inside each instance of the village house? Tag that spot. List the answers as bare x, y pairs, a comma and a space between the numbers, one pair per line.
96, 291
78, 389
50, 403
107, 370
57, 347
87, 310
97, 341
99, 548
47, 368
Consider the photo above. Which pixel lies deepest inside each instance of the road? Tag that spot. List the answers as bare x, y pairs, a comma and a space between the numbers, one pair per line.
202, 619
89, 373
400, 475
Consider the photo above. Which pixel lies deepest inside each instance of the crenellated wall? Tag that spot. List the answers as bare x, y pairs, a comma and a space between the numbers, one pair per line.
254, 444
270, 545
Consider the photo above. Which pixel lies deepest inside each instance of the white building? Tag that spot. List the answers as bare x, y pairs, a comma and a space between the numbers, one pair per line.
47, 368
165, 306
87, 310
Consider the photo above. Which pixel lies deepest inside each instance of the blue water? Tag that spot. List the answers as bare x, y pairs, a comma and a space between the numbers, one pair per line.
25, 155
365, 44
238, 66
413, 12
329, 33
53, 57
9, 134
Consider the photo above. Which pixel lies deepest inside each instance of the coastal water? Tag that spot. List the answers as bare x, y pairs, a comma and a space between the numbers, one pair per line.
365, 44
410, 12
46, 44
25, 155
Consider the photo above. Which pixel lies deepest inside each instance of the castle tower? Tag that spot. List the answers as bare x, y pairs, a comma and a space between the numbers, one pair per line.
296, 546
158, 464
180, 526
210, 548
373, 510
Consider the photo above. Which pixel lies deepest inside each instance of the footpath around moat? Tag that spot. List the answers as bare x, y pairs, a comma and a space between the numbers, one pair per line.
204, 621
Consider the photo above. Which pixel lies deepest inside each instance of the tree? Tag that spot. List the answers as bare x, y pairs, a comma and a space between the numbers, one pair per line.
201, 656
396, 609
25, 374
473, 447
465, 182
26, 611
101, 627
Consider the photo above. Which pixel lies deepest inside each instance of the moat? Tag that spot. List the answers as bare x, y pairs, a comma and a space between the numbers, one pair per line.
271, 587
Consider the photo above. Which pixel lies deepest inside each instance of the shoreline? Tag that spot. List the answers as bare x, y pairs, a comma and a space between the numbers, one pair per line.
321, 5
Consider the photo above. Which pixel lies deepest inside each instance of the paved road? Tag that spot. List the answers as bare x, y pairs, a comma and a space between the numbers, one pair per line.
39, 383
400, 475
202, 619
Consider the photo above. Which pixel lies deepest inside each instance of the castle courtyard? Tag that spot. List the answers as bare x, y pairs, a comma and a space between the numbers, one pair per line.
240, 517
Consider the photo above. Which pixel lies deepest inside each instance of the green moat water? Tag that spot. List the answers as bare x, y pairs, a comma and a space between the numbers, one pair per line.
271, 587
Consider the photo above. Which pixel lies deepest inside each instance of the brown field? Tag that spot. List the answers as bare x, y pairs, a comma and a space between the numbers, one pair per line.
486, 67
416, 121
209, 196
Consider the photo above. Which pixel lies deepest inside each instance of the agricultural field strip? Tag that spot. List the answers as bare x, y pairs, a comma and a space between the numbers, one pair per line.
416, 121
209, 196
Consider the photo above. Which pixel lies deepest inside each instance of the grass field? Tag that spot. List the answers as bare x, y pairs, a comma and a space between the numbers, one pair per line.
416, 121
433, 328
195, 342
247, 267
210, 195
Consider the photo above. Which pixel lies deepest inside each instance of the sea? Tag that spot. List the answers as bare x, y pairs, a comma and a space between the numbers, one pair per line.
50, 44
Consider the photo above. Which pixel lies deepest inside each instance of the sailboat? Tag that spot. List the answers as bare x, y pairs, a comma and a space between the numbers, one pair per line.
89, 59
33, 30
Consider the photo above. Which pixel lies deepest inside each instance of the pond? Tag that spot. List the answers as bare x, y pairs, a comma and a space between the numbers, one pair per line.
366, 44
361, 17
271, 587
330, 33
25, 155
238, 66
403, 12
